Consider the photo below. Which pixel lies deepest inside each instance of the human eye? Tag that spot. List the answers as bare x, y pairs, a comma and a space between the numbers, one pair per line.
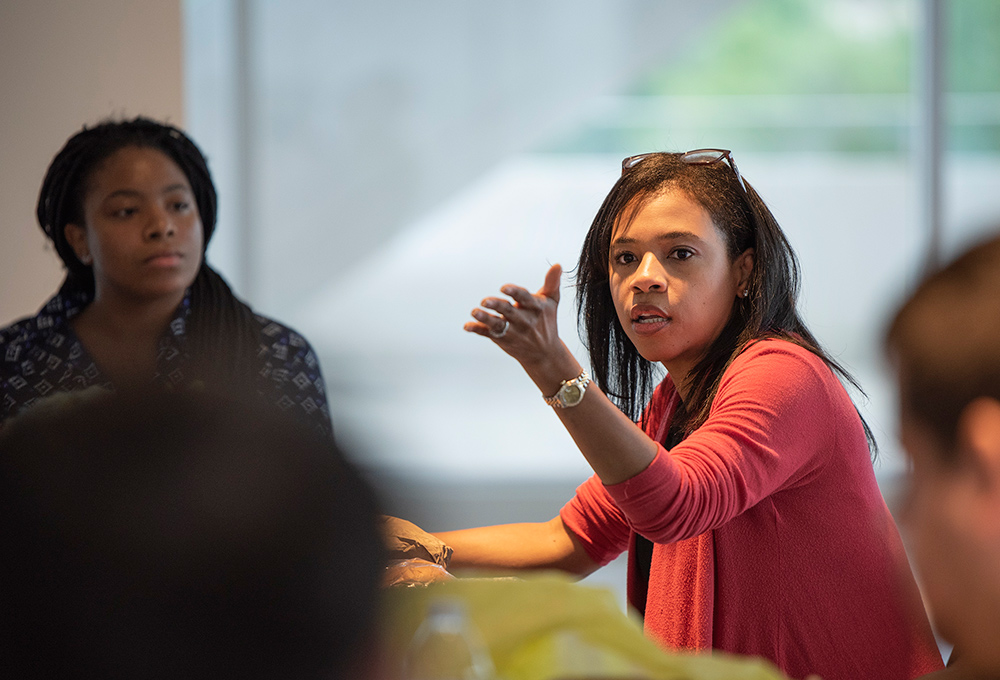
682, 254
624, 258
179, 200
124, 212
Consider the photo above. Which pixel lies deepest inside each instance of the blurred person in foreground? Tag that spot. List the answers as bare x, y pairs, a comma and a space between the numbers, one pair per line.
153, 535
945, 346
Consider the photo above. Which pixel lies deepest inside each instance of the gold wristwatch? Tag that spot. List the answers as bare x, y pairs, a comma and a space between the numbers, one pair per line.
570, 392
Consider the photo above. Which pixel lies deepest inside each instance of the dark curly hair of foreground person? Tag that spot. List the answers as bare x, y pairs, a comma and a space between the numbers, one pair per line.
158, 535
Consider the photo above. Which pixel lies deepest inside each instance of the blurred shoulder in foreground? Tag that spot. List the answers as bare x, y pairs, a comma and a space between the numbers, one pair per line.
157, 535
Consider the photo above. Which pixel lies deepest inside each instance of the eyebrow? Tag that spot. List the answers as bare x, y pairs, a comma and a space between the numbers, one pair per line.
666, 236
166, 190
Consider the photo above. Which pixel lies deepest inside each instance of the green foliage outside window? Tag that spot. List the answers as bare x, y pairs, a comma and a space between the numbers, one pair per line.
809, 75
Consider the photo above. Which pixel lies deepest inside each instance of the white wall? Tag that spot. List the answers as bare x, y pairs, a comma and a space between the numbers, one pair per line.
64, 63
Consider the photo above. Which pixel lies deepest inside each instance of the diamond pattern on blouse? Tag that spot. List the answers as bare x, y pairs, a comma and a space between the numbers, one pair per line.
41, 355
301, 381
280, 352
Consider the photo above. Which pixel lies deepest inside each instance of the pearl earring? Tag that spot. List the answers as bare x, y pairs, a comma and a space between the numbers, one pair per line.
86, 259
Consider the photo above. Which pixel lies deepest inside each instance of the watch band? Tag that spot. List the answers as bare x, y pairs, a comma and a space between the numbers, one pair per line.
570, 392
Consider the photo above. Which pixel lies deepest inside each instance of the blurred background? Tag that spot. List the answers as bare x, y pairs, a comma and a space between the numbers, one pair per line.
383, 166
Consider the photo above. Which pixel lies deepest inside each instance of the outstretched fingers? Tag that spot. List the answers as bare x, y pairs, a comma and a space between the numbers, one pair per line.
524, 299
487, 325
550, 288
521, 309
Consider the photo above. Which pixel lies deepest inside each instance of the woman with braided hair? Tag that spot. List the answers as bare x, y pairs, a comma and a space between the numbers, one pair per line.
130, 208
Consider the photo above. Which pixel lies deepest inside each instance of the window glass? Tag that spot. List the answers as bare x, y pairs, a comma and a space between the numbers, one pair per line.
972, 113
403, 160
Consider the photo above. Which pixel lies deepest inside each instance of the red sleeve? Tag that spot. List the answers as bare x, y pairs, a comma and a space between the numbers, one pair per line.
770, 425
596, 521
592, 514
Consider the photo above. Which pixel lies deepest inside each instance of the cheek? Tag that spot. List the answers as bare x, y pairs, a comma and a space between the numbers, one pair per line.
196, 232
619, 296
714, 304
105, 249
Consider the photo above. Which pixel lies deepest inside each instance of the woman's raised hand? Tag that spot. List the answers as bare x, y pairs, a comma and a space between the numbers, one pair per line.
524, 326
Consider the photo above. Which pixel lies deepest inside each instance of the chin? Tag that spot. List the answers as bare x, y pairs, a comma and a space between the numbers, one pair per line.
649, 352
172, 291
651, 357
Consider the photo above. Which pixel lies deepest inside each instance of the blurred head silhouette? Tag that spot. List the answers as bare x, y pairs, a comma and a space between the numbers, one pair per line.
945, 345
157, 535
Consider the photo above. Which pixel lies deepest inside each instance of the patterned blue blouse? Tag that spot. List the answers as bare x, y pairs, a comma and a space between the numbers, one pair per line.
41, 355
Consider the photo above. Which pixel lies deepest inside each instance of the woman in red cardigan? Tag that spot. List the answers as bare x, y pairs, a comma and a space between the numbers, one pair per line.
741, 484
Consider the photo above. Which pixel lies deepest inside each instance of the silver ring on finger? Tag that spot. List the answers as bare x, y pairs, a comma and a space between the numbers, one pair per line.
502, 332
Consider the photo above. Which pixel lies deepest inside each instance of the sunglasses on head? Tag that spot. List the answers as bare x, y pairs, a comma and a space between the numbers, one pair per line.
696, 157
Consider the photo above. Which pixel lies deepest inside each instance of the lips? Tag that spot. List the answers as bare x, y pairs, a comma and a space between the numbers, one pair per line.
648, 314
648, 319
166, 258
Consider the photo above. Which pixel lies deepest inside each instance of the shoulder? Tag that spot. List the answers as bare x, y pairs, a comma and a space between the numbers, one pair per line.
283, 346
775, 348
49, 321
276, 333
291, 373
32, 350
779, 362
25, 333
786, 378
18, 331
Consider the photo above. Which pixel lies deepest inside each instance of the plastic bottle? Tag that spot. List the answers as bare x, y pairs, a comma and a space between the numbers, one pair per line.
447, 646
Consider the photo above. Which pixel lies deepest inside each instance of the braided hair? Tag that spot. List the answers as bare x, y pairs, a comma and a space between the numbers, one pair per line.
769, 311
222, 331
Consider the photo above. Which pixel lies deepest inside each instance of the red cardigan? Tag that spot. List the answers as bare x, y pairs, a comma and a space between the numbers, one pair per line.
771, 537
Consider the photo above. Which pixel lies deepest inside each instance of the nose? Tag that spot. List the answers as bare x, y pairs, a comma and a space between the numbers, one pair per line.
649, 276
159, 225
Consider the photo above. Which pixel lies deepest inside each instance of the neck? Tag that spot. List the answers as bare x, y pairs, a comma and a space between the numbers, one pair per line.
131, 319
679, 375
121, 335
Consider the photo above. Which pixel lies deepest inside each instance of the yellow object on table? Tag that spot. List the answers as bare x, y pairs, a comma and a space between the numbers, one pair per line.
551, 628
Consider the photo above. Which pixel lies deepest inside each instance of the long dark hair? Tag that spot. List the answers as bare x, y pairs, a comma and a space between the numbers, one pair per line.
769, 310
222, 331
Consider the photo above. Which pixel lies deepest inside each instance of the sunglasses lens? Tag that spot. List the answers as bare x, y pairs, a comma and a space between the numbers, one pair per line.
633, 161
703, 156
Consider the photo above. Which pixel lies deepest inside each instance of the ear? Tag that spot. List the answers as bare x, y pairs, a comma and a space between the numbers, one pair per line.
76, 236
979, 445
743, 267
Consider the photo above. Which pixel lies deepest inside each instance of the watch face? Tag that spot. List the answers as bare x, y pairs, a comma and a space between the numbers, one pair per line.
572, 394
